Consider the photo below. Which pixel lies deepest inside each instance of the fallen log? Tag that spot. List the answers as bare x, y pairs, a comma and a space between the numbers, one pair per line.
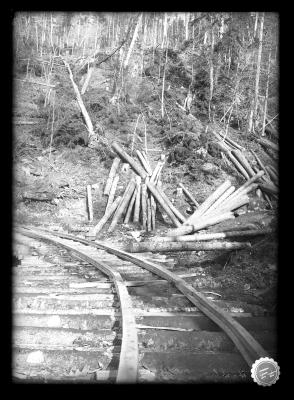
131, 206
207, 203
220, 200
231, 205
248, 183
90, 203
273, 176
177, 213
144, 205
122, 206
106, 216
260, 163
112, 191
138, 199
189, 195
136, 167
201, 224
244, 162
230, 141
184, 246
111, 175
238, 165
267, 143
269, 188
144, 163
199, 237
244, 192
155, 171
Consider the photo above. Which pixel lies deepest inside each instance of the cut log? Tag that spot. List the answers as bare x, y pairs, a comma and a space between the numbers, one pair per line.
105, 217
123, 204
260, 163
111, 175
199, 237
231, 205
244, 162
135, 166
155, 171
268, 144
90, 203
130, 207
149, 226
140, 171
153, 212
157, 193
238, 165
189, 195
144, 163
207, 203
247, 184
144, 205
230, 141
220, 200
269, 188
177, 213
201, 224
138, 199
272, 174
112, 191
184, 246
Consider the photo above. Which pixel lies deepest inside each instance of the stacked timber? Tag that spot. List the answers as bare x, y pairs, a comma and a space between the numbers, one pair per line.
218, 207
236, 155
141, 197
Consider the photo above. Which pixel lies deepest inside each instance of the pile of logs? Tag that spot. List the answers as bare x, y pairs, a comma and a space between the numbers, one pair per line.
218, 207
235, 154
141, 196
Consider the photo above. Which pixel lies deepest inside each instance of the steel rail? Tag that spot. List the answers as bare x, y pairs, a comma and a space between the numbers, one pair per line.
128, 361
249, 348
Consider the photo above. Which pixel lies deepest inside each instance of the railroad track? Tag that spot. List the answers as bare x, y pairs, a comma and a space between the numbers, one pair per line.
87, 311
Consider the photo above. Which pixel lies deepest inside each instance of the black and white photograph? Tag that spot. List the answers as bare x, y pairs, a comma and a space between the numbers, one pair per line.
145, 191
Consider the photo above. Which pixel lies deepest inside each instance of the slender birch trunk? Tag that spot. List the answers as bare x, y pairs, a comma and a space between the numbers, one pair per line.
258, 68
266, 94
133, 41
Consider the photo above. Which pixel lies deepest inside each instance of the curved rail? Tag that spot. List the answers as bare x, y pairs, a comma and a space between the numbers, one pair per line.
249, 348
128, 361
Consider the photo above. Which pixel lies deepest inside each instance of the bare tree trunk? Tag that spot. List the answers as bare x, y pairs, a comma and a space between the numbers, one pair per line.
133, 41
258, 67
163, 81
266, 94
